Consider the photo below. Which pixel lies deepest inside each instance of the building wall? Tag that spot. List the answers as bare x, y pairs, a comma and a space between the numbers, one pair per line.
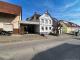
69, 30
16, 24
45, 24
37, 28
8, 18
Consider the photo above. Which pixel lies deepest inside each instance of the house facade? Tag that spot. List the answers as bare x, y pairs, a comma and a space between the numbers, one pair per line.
45, 23
10, 14
69, 27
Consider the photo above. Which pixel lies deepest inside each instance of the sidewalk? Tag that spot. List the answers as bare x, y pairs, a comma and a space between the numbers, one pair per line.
30, 37
60, 37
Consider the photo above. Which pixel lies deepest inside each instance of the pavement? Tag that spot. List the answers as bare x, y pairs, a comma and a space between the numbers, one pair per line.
29, 37
38, 49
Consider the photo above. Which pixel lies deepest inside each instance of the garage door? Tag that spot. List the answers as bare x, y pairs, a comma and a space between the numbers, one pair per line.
7, 27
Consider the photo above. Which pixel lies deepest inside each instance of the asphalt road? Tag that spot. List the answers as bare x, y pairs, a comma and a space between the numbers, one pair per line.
67, 49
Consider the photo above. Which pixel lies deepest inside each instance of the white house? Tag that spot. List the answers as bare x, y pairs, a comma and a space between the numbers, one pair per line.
45, 23
44, 26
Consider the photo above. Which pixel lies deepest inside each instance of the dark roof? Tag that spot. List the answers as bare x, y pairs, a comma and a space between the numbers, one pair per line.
35, 17
6, 7
69, 24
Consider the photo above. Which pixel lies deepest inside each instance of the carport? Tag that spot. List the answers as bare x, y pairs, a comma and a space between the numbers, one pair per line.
29, 27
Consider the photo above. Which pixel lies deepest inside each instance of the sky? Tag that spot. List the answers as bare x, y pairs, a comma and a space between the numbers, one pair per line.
68, 10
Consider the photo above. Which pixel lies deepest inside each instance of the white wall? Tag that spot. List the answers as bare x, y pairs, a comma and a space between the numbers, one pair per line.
45, 21
15, 22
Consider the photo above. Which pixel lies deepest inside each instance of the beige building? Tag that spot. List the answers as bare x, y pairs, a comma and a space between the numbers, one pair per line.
10, 14
69, 27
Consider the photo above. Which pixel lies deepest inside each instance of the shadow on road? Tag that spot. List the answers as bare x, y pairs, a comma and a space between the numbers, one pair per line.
63, 52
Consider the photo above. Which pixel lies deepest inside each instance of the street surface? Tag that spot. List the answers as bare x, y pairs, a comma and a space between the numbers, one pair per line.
62, 49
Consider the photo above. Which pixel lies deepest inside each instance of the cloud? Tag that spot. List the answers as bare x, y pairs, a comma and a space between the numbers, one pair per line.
74, 15
71, 4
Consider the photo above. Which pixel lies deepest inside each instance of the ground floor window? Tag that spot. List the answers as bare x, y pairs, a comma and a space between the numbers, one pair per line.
42, 28
50, 28
46, 28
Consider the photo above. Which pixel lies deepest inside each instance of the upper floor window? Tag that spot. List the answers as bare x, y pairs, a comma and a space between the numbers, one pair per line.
46, 21
42, 20
50, 21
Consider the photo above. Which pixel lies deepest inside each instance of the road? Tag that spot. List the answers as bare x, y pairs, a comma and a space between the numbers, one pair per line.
67, 49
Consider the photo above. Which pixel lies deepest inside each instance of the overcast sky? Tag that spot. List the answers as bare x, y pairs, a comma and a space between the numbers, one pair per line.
61, 9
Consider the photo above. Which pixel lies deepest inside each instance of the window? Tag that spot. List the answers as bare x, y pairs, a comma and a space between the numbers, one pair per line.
50, 28
50, 21
42, 28
46, 21
42, 20
46, 28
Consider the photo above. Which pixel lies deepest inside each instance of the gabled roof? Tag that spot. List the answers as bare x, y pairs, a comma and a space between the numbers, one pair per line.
69, 24
6, 7
35, 17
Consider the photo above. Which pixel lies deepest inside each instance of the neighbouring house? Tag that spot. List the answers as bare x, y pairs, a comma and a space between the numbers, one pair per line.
31, 25
10, 14
68, 27
41, 24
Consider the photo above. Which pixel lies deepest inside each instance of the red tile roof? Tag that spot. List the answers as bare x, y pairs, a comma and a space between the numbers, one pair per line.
9, 8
